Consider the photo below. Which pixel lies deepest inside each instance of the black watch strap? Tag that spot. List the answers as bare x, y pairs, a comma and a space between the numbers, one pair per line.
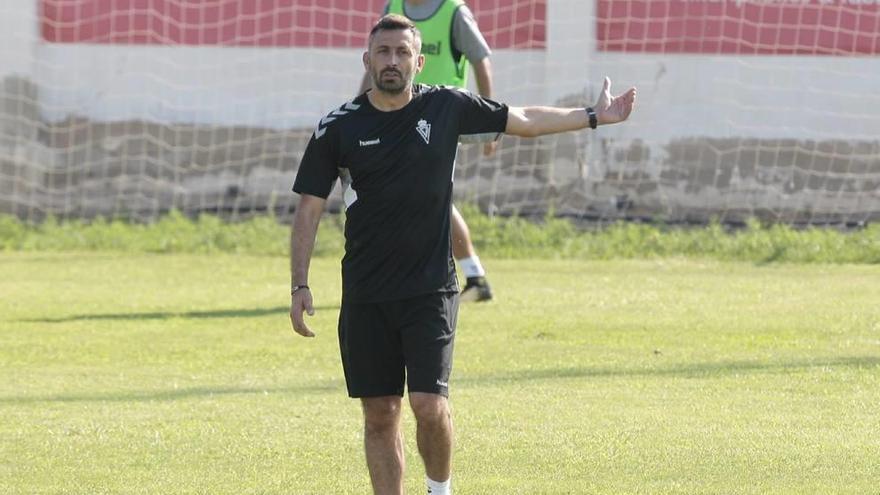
594, 121
297, 287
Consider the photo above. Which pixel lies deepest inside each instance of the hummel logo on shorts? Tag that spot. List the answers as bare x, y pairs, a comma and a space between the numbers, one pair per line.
371, 142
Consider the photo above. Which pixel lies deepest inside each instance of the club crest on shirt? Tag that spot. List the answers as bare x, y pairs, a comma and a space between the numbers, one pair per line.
424, 129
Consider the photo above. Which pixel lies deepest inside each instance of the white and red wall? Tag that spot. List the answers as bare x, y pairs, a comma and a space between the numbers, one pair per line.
762, 71
710, 65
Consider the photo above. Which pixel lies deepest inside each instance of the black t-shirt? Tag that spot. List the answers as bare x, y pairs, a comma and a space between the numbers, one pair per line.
397, 170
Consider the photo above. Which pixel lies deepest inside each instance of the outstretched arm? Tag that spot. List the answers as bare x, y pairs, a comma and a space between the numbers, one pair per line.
302, 242
538, 121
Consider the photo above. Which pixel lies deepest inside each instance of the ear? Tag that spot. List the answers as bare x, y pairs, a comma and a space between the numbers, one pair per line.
366, 60
420, 63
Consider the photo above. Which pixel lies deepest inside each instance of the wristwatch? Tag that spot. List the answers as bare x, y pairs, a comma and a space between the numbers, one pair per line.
297, 287
594, 121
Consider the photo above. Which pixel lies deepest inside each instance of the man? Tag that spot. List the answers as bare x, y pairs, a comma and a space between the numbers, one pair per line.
394, 146
451, 39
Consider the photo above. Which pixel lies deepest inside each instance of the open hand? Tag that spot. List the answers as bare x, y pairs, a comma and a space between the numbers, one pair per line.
614, 109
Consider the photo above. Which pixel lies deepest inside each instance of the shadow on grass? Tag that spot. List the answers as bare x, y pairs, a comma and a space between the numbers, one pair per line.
696, 370
165, 315
177, 394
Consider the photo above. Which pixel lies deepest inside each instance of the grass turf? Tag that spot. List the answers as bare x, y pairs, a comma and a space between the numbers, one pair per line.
180, 374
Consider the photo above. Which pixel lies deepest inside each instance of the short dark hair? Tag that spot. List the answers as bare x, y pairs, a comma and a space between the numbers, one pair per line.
395, 22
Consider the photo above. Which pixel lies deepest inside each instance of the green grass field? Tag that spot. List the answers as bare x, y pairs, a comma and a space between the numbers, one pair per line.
179, 374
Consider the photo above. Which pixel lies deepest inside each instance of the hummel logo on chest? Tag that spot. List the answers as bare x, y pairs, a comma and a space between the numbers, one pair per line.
372, 142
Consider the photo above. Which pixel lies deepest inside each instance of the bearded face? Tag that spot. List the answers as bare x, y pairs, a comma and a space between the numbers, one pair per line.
393, 60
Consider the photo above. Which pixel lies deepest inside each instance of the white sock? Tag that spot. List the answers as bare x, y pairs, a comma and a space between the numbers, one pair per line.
438, 487
472, 267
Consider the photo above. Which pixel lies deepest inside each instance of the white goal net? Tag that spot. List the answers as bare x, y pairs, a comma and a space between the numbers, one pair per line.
762, 108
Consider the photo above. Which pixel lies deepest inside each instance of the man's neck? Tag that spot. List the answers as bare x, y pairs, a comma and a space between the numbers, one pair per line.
386, 102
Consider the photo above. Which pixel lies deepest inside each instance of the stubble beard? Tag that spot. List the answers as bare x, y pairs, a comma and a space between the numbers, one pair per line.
391, 88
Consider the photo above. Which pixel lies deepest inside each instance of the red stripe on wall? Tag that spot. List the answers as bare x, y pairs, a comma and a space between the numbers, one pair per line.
779, 27
517, 24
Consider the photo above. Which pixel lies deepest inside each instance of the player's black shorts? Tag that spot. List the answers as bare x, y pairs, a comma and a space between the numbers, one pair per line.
388, 343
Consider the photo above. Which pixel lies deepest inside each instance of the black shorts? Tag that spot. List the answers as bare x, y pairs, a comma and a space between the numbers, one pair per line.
388, 343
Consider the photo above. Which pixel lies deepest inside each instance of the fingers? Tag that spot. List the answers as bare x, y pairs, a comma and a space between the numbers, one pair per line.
605, 100
613, 109
629, 99
297, 305
629, 95
302, 329
299, 326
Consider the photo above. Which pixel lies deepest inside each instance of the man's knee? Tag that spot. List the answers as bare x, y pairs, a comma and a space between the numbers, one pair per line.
381, 413
429, 408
